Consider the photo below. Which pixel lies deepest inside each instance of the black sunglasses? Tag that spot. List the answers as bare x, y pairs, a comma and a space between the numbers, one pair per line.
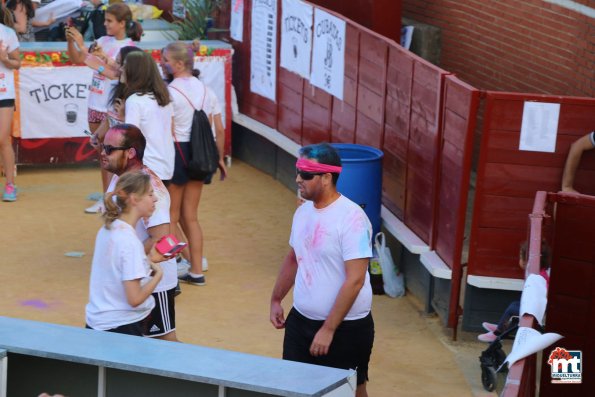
109, 148
307, 176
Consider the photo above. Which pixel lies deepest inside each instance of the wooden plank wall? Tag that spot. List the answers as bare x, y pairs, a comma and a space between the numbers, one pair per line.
423, 148
344, 112
396, 129
508, 178
571, 295
393, 101
460, 106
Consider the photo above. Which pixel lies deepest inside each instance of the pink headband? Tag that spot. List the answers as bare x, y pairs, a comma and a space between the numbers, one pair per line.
312, 166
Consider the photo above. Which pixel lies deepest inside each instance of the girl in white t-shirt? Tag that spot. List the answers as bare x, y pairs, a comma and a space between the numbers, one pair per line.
147, 105
9, 61
121, 31
120, 286
187, 93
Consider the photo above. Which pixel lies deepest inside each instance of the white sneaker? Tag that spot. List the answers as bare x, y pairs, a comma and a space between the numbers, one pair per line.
205, 264
98, 207
183, 267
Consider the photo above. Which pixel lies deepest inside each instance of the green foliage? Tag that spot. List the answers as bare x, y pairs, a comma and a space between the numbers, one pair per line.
195, 24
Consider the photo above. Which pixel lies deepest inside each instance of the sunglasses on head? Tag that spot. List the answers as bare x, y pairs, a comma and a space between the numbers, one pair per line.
307, 176
109, 148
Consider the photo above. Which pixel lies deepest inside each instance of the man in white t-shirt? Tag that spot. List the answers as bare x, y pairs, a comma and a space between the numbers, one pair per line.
122, 150
330, 323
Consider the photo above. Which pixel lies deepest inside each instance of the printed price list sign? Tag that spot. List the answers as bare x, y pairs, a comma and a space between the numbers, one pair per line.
263, 61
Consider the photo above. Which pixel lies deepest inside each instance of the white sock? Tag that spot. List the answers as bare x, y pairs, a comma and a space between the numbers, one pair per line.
194, 275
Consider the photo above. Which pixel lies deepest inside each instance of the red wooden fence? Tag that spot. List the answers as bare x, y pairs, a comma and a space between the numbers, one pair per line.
395, 101
461, 102
571, 297
566, 223
423, 119
508, 178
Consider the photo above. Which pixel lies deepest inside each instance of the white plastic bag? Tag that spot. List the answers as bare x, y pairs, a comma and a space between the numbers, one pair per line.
394, 284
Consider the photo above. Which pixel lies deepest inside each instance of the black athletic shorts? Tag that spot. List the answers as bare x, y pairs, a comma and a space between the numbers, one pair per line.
163, 317
7, 103
180, 170
351, 347
135, 329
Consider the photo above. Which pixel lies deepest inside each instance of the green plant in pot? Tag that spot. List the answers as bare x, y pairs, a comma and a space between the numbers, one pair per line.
198, 16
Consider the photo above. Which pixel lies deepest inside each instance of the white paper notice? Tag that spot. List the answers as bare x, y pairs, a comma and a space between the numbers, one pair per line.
406, 36
528, 341
296, 37
534, 297
539, 127
236, 26
328, 55
263, 59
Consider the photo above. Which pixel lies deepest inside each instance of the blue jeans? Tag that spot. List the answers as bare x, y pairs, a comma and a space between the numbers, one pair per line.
512, 310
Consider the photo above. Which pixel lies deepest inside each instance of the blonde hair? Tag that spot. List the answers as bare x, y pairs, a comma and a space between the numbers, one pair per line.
116, 202
183, 52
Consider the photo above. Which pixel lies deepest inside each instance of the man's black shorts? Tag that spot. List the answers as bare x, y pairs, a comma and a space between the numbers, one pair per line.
351, 347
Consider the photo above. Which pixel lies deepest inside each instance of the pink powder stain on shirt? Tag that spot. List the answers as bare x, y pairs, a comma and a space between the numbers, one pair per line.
317, 236
308, 278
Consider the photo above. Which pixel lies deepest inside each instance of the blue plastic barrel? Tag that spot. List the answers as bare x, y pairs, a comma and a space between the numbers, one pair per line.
361, 178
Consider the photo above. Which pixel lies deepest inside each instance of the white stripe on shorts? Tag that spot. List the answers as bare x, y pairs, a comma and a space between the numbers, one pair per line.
163, 302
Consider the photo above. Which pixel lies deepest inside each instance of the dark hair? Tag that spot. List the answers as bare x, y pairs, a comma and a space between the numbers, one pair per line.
132, 137
324, 154
545, 255
122, 12
118, 90
12, 5
6, 17
142, 77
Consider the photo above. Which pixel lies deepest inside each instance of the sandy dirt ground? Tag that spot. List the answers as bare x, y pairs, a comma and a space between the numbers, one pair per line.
246, 221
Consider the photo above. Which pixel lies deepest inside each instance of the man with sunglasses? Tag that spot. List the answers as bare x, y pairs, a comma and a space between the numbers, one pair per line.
122, 150
330, 323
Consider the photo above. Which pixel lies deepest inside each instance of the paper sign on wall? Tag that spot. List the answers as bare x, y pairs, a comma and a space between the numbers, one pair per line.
328, 55
296, 37
58, 99
263, 59
236, 27
539, 127
212, 73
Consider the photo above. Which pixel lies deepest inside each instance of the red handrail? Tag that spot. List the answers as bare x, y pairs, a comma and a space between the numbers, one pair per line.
521, 377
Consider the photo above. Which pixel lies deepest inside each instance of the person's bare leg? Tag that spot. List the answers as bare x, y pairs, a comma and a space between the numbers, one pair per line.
176, 193
170, 336
189, 221
361, 391
6, 150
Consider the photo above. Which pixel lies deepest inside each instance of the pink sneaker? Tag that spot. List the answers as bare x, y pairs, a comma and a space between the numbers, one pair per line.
487, 337
10, 193
489, 326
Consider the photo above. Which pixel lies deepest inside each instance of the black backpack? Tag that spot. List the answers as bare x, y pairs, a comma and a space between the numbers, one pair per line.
204, 155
